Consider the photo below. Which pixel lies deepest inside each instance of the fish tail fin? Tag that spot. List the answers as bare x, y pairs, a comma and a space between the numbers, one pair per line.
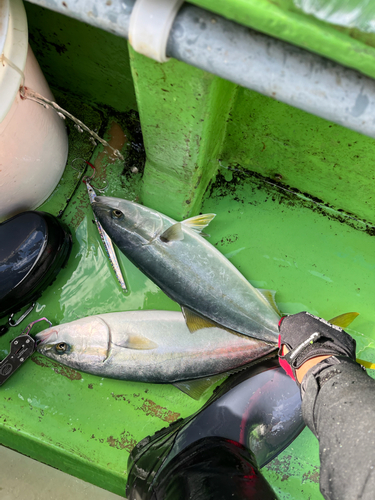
344, 320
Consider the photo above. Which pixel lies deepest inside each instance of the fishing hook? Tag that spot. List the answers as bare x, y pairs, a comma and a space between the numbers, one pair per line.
87, 179
27, 330
76, 169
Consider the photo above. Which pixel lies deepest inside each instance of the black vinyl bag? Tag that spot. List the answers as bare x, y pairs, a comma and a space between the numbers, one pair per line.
33, 248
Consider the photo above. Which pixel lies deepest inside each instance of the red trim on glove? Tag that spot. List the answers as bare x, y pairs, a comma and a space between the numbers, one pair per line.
283, 363
281, 320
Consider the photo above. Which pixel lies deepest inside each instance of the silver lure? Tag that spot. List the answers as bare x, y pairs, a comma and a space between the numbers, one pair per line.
107, 242
147, 346
188, 268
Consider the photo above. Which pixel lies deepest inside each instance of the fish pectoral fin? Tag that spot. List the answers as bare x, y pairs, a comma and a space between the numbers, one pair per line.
197, 387
199, 222
195, 321
269, 295
138, 342
173, 233
343, 320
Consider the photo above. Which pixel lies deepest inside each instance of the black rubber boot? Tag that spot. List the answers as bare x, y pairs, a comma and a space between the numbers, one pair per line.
209, 469
33, 248
258, 409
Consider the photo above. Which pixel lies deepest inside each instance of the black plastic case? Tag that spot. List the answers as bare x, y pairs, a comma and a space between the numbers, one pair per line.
34, 246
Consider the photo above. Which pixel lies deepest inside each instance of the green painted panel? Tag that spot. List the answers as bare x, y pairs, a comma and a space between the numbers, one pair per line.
79, 147
295, 149
280, 19
87, 425
79, 423
294, 474
312, 257
316, 258
315, 261
81, 59
183, 113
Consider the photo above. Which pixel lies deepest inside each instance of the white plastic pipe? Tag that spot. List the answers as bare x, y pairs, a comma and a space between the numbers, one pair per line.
248, 58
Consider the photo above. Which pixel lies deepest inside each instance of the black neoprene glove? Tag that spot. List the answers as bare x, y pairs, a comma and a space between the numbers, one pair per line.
307, 336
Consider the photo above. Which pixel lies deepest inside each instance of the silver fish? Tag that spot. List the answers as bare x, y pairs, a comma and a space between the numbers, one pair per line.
107, 242
147, 346
187, 268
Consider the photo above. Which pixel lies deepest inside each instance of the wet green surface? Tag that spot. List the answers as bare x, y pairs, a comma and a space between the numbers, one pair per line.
86, 425
316, 259
314, 262
302, 151
82, 424
79, 147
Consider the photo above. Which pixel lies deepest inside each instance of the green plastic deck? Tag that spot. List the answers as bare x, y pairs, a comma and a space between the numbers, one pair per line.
86, 425
184, 127
267, 170
191, 119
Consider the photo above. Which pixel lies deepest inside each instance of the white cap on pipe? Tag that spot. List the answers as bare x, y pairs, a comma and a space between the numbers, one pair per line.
150, 24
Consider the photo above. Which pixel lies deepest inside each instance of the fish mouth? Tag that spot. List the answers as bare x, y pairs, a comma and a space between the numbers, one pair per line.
105, 202
44, 336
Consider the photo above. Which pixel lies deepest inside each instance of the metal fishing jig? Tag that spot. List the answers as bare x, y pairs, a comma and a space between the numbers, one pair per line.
103, 235
108, 245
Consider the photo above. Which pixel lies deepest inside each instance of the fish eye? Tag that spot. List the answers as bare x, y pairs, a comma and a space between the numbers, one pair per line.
61, 348
117, 214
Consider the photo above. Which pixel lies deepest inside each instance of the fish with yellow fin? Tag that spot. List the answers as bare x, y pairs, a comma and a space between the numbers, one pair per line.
150, 346
191, 271
344, 321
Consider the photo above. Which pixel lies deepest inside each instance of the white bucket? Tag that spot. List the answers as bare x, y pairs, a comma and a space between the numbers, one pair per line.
33, 140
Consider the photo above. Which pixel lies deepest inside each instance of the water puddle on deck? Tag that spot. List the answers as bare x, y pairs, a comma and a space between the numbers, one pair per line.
115, 143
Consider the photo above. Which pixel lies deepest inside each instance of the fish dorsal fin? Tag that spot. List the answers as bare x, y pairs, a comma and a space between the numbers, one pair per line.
199, 222
269, 295
173, 233
195, 321
344, 320
197, 387
138, 342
